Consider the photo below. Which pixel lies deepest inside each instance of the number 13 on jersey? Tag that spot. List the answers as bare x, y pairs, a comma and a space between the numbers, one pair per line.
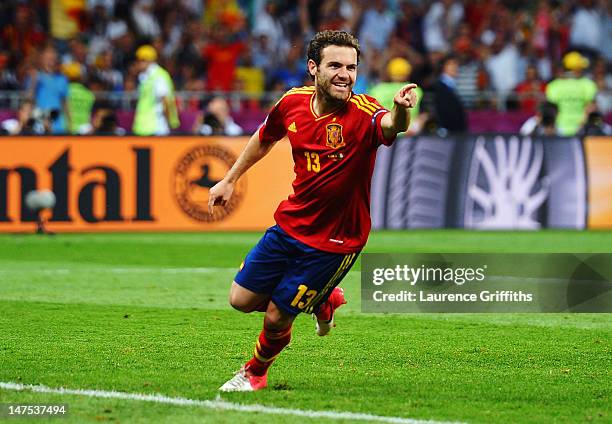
312, 161
304, 297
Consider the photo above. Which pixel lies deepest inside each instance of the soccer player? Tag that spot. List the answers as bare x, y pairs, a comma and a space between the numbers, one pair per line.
323, 226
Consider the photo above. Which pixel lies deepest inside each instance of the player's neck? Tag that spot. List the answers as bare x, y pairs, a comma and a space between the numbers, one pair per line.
324, 104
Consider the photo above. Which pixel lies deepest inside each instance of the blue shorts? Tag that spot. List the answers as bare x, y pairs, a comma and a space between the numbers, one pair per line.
298, 277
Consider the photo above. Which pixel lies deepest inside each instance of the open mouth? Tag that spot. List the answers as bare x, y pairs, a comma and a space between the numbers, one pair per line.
341, 86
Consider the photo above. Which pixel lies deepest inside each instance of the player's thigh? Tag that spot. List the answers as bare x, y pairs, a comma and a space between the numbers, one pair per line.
264, 266
310, 280
246, 300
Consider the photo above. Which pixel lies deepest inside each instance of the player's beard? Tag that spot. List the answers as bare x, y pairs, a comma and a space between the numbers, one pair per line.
330, 94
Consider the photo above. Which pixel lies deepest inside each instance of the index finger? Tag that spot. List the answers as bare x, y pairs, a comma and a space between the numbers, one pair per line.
211, 204
408, 87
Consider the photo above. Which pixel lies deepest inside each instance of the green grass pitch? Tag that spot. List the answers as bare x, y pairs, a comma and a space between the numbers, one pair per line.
148, 313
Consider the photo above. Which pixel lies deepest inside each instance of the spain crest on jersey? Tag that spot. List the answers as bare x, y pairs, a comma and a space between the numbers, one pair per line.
334, 136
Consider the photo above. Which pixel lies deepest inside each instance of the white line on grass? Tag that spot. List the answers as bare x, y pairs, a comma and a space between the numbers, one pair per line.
217, 404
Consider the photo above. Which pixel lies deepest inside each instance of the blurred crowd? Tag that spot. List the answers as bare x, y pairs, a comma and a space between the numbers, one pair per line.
505, 52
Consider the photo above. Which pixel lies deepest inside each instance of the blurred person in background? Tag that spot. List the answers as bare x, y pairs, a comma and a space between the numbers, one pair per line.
441, 21
292, 73
123, 45
23, 35
447, 109
503, 66
104, 119
586, 32
263, 56
268, 23
377, 25
595, 125
145, 21
339, 15
156, 111
531, 90
79, 101
103, 69
190, 80
221, 55
606, 48
409, 24
77, 53
250, 80
217, 120
471, 75
603, 80
398, 74
97, 31
108, 125
543, 123
67, 19
24, 123
573, 94
49, 88
8, 77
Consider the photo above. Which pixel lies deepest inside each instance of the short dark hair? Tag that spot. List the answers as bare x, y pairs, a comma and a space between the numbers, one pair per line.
450, 57
548, 111
330, 38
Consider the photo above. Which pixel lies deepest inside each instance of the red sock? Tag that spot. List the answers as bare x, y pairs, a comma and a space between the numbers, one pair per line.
269, 345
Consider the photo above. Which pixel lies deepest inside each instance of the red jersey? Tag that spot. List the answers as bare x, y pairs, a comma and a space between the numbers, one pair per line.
222, 59
334, 158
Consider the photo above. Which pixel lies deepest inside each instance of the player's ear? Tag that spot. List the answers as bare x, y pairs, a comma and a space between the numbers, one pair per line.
312, 67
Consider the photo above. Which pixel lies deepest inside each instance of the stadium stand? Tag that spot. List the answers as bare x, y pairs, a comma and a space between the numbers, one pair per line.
249, 52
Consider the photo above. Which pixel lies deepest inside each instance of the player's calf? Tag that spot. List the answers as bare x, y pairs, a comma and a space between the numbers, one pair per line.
274, 337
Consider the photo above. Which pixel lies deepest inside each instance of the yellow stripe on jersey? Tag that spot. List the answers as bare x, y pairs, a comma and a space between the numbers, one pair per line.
371, 103
300, 90
366, 103
361, 107
295, 91
288, 93
344, 265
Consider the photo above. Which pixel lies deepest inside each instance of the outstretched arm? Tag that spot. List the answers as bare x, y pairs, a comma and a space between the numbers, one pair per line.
252, 153
399, 119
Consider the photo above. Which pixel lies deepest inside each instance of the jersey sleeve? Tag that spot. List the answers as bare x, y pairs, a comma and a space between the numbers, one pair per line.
591, 90
379, 137
273, 127
63, 83
551, 92
161, 86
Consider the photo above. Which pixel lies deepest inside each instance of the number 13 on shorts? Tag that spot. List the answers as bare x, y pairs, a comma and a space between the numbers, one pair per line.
304, 297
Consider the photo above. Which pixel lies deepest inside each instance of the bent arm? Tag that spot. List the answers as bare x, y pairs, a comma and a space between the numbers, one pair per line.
399, 119
253, 152
166, 106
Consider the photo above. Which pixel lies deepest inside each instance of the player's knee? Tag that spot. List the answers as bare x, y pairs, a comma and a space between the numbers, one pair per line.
276, 319
240, 304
